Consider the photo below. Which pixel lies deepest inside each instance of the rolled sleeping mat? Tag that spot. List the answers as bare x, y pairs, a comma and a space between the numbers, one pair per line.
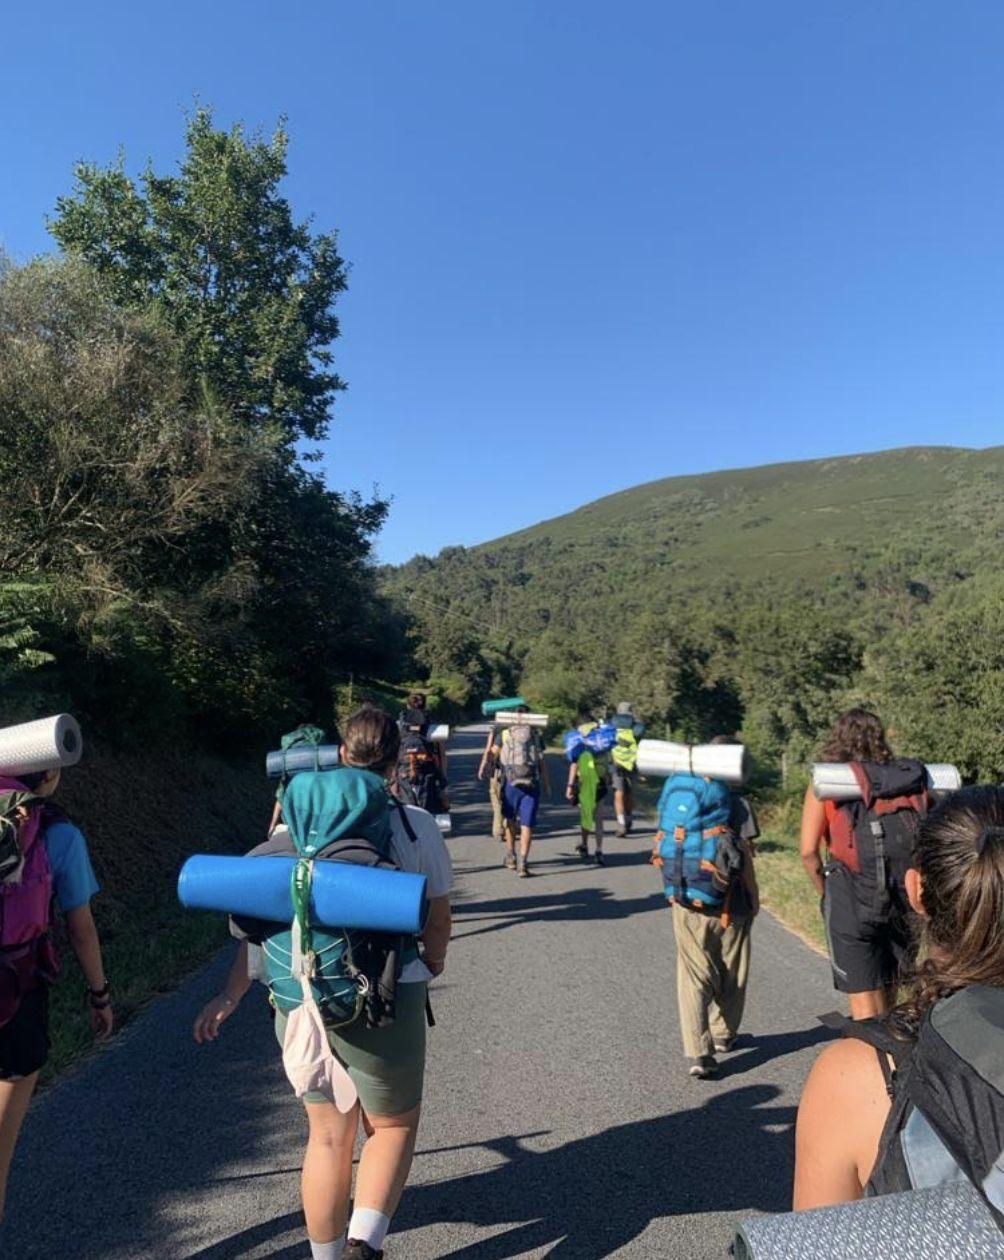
438, 734
45, 744
835, 781
539, 720
491, 707
342, 894
949, 1222
662, 757
305, 757
445, 823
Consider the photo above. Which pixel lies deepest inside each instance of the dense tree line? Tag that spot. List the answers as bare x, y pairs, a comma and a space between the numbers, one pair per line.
167, 552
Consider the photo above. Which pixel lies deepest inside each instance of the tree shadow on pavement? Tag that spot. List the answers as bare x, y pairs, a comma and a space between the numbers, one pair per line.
579, 904
596, 1194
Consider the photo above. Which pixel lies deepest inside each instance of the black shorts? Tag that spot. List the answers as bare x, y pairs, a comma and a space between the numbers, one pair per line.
24, 1041
870, 947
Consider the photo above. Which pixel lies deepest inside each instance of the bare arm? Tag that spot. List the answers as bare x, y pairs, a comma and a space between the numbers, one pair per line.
84, 939
223, 1005
840, 1119
436, 937
276, 816
813, 831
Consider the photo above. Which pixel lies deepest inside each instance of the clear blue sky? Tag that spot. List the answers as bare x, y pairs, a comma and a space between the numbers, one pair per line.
592, 243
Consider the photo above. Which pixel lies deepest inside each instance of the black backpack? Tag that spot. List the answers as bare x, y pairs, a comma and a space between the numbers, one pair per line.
875, 836
947, 1088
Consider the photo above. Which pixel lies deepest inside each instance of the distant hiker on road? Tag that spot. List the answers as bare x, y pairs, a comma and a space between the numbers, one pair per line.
588, 787
713, 914
43, 861
915, 1098
385, 1061
306, 735
421, 768
491, 770
520, 756
624, 757
870, 927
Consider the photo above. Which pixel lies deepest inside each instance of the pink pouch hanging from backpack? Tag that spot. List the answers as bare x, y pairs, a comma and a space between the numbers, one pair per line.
310, 1063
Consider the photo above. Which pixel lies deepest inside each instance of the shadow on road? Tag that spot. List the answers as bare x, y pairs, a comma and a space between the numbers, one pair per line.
583, 903
586, 1199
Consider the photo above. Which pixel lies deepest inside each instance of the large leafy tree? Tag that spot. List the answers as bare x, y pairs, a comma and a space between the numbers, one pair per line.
215, 248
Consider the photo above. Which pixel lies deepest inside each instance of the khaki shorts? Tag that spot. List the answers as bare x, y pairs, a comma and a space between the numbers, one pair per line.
387, 1065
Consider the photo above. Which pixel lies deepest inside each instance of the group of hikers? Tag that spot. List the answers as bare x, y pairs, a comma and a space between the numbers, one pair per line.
901, 877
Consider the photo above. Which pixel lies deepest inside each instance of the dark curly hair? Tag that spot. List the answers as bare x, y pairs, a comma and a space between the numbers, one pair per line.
857, 735
960, 856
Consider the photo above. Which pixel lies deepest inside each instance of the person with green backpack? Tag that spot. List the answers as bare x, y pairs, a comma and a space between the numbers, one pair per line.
306, 735
624, 764
368, 992
587, 787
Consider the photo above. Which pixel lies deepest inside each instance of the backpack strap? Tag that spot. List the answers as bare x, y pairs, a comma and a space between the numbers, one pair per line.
402, 813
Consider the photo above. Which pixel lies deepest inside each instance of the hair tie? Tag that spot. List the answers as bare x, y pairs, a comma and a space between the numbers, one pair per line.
987, 835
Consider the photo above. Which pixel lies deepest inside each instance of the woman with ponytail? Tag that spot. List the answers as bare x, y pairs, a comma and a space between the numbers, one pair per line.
857, 1124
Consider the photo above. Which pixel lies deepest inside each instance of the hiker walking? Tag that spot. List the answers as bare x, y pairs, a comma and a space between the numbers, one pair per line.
520, 756
306, 735
421, 768
491, 769
871, 930
46, 855
705, 848
624, 759
379, 1044
588, 787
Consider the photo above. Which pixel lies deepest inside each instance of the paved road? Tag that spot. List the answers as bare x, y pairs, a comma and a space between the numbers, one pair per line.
559, 1121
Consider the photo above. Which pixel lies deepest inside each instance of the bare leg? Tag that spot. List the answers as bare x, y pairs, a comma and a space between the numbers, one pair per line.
326, 1180
14, 1099
525, 839
869, 1004
386, 1161
510, 842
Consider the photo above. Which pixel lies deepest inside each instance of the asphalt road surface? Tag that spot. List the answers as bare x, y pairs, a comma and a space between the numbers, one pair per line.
559, 1119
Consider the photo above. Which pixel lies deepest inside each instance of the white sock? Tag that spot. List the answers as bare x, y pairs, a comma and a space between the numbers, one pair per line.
369, 1226
328, 1251
621, 819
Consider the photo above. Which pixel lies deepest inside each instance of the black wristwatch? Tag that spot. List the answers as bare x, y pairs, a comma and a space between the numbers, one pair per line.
100, 998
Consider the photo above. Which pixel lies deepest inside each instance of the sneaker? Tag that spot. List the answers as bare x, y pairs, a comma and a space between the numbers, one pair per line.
621, 832
726, 1046
598, 858
704, 1068
355, 1250
581, 850
524, 870
510, 862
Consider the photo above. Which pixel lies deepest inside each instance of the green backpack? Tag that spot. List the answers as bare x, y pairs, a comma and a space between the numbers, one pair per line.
305, 736
341, 815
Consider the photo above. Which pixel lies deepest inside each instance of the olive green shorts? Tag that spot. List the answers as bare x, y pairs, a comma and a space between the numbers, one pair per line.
387, 1065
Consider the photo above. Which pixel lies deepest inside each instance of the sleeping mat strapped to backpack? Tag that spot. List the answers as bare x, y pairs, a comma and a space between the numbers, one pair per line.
693, 822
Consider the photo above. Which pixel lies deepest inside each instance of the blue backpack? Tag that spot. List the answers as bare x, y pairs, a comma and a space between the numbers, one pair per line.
693, 818
341, 815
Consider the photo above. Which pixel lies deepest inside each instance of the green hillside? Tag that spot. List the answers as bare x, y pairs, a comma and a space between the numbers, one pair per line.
760, 598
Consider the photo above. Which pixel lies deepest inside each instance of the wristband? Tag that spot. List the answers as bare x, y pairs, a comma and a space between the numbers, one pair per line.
100, 993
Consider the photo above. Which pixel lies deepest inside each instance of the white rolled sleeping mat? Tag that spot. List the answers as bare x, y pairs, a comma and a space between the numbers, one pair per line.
539, 720
662, 757
438, 734
946, 1222
835, 780
47, 744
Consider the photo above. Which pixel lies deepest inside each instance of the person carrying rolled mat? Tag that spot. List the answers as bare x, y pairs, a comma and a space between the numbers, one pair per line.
520, 756
713, 948
386, 1064
624, 763
914, 1098
43, 861
588, 786
421, 770
306, 735
871, 930
490, 769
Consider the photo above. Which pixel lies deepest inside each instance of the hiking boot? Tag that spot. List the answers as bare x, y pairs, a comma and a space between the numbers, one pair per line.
360, 1251
703, 1068
621, 831
582, 851
523, 870
510, 862
598, 858
726, 1046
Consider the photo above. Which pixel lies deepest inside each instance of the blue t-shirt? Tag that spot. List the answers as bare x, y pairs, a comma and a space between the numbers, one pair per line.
73, 879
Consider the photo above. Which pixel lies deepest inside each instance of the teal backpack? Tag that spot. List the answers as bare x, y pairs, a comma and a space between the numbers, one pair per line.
341, 815
306, 736
693, 823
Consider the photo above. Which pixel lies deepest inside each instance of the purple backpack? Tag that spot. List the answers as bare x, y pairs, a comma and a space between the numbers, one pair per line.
27, 957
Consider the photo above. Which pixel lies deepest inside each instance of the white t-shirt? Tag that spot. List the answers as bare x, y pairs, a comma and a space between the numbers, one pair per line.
426, 855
